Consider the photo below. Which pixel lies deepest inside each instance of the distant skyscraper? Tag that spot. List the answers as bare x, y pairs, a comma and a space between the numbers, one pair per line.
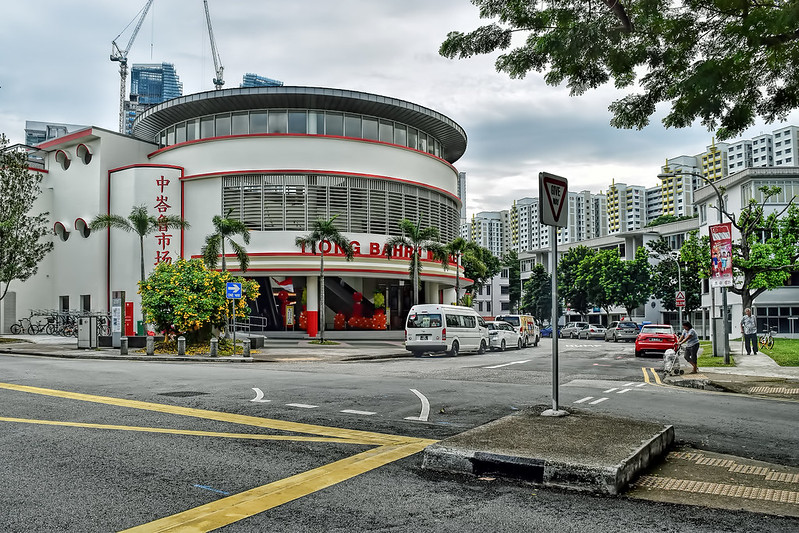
462, 194
39, 132
150, 84
254, 80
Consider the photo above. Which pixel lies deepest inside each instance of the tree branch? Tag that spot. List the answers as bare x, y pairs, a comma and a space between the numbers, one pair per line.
618, 9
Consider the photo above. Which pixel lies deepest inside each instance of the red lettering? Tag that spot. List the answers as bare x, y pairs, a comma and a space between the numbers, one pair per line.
162, 182
374, 248
326, 246
408, 252
356, 247
162, 257
162, 206
339, 250
399, 251
164, 239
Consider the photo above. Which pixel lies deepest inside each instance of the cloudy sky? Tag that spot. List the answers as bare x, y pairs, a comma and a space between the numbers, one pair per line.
55, 67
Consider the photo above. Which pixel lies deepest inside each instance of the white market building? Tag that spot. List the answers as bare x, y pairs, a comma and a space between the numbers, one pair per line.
278, 158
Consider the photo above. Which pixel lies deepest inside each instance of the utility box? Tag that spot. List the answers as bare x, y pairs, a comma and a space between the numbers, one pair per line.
87, 332
719, 337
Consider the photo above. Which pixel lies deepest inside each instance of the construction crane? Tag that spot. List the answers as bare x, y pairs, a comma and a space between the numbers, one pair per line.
219, 80
122, 57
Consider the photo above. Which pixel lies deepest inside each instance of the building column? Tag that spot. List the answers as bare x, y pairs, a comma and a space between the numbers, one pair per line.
449, 295
312, 304
431, 292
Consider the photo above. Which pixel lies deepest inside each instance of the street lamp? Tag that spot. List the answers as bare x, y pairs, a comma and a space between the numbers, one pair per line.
675, 256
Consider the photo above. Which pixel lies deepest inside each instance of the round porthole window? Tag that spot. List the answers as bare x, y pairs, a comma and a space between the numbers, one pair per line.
62, 159
82, 228
61, 231
83, 153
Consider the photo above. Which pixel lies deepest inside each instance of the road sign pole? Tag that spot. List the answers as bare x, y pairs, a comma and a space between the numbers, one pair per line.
553, 261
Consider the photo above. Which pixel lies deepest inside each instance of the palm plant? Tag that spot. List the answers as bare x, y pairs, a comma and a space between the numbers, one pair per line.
225, 228
418, 239
324, 230
141, 223
456, 248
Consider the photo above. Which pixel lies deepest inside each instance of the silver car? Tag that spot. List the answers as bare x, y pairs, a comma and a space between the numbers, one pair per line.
622, 330
571, 329
503, 335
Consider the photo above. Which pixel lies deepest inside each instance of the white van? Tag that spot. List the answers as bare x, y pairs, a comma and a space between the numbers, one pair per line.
526, 325
445, 328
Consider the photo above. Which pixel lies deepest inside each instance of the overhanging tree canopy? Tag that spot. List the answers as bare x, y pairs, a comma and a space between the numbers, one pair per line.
723, 62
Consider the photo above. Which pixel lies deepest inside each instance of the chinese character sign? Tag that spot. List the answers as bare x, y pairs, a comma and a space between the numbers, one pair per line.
721, 255
161, 205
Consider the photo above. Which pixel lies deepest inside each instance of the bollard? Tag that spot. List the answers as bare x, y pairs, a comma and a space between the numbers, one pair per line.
214, 344
245, 346
150, 345
181, 345
123, 346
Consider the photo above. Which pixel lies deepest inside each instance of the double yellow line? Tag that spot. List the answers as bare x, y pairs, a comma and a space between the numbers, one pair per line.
654, 374
388, 448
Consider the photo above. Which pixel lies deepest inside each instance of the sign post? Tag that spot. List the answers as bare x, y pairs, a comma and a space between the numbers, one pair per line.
233, 292
679, 299
553, 211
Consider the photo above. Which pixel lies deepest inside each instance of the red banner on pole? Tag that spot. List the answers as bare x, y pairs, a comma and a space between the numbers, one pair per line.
721, 255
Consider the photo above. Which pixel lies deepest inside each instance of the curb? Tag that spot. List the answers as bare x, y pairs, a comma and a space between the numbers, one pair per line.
113, 357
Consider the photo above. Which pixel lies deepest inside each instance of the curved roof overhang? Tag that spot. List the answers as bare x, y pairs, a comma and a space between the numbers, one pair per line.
448, 132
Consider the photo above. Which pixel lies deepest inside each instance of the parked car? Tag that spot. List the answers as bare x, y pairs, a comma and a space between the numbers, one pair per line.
547, 331
622, 330
503, 335
526, 325
445, 328
571, 329
655, 338
592, 331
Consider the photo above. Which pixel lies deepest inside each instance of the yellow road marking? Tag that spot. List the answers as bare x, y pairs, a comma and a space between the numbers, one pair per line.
252, 436
646, 374
243, 505
357, 437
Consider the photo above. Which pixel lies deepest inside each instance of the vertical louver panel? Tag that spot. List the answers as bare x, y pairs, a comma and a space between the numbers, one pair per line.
296, 199
410, 203
395, 208
251, 207
273, 203
378, 208
317, 199
231, 196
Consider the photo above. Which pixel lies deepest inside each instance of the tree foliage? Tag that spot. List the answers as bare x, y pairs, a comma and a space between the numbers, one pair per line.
722, 62
537, 298
224, 229
21, 233
665, 281
185, 298
633, 285
480, 265
510, 260
593, 274
455, 249
419, 240
574, 293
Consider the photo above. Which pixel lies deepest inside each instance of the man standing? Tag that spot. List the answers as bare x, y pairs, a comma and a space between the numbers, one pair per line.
749, 330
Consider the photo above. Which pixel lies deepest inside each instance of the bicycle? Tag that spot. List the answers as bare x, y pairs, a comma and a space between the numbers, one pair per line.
767, 339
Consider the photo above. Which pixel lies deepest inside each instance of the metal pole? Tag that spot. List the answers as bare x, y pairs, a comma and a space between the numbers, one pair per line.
555, 411
726, 340
234, 326
679, 288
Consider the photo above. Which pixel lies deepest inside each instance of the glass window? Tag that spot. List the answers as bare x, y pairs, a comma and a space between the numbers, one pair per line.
222, 125
180, 133
334, 124
352, 126
258, 122
422, 142
170, 136
370, 128
278, 122
413, 137
400, 135
386, 131
241, 124
206, 127
192, 129
298, 122
316, 123
424, 321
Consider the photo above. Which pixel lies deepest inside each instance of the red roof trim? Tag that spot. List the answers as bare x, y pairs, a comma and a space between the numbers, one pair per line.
65, 139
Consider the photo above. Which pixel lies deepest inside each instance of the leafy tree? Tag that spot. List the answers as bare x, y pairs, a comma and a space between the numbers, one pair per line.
725, 63
569, 288
510, 260
419, 240
21, 248
186, 298
664, 274
632, 286
225, 228
480, 265
537, 298
594, 275
324, 230
767, 249
141, 223
456, 248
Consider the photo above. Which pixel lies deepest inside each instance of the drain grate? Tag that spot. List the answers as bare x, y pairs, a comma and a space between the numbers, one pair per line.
182, 393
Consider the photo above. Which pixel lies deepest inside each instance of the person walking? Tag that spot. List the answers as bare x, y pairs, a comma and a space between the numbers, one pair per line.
690, 338
749, 331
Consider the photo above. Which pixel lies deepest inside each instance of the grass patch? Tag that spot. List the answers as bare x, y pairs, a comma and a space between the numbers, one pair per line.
325, 343
4, 340
706, 359
785, 352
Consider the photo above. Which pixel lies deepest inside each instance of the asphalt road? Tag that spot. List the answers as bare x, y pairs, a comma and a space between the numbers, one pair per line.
106, 445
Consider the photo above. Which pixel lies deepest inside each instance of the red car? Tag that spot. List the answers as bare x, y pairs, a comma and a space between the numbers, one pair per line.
655, 338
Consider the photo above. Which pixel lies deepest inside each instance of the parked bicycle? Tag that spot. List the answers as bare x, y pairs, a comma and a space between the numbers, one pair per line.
767, 339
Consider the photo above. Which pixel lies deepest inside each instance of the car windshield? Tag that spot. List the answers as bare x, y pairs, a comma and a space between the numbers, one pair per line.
627, 325
492, 325
424, 321
658, 330
509, 319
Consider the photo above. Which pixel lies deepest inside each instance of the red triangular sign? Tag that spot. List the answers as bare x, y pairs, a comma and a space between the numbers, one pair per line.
555, 192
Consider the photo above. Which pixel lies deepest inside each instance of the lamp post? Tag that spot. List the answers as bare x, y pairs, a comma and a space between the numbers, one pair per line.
675, 257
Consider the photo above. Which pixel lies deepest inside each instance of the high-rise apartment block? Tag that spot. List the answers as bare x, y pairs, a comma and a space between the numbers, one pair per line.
254, 80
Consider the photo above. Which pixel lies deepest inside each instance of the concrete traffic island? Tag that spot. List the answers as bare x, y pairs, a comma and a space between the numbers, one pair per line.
582, 451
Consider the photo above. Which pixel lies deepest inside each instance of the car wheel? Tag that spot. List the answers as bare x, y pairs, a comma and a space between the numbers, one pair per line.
615, 338
482, 349
417, 353
502, 346
519, 344
537, 340
639, 353
454, 350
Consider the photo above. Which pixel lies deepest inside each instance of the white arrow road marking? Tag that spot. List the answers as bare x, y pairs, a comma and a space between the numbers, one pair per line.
355, 412
259, 396
584, 399
507, 364
425, 408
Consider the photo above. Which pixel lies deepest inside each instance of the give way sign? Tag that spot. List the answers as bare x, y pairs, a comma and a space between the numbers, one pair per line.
679, 298
553, 209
